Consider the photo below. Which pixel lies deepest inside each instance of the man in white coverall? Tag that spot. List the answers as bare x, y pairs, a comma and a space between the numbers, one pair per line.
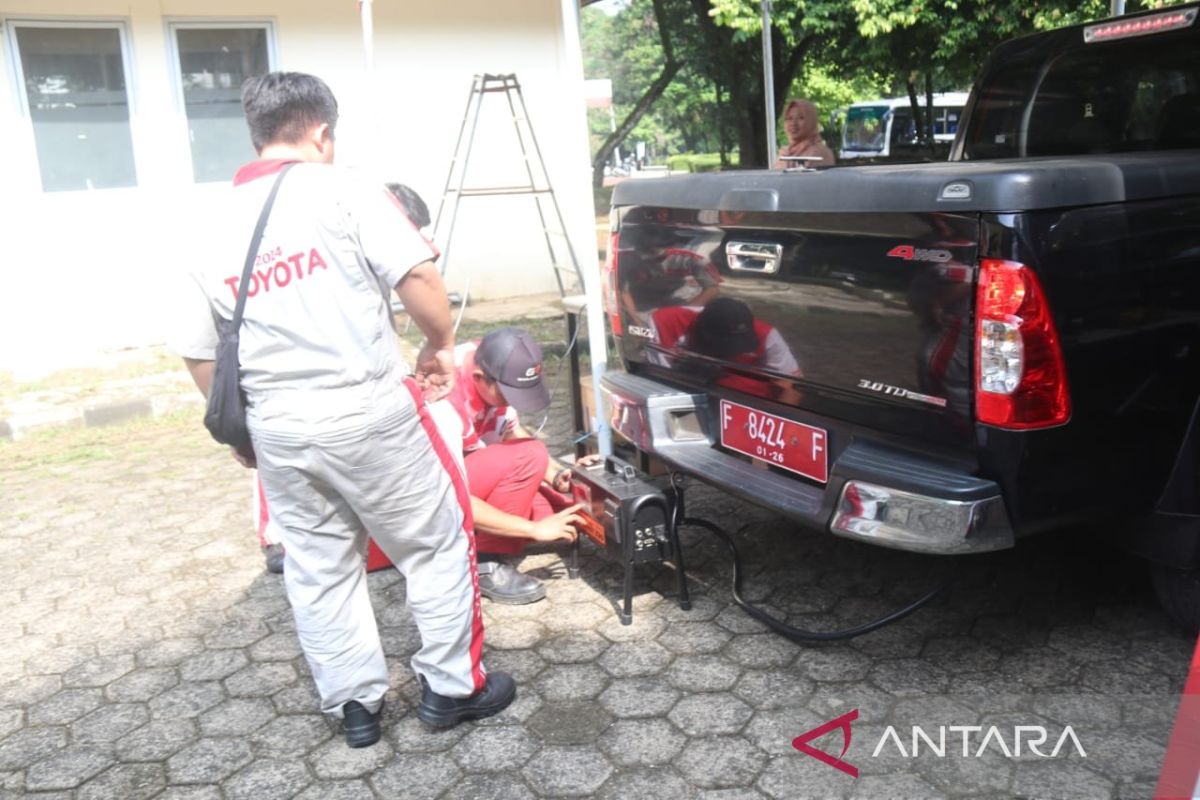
342, 438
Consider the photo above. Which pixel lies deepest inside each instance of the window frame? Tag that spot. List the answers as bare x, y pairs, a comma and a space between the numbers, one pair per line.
17, 69
8, 37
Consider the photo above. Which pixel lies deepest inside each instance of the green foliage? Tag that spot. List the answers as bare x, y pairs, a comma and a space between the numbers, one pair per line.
698, 162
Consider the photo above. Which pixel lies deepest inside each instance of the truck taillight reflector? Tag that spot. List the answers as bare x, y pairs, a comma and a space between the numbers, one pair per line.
1139, 26
608, 285
1020, 381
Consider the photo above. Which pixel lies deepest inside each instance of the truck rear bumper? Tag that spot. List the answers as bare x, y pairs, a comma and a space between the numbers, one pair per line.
874, 494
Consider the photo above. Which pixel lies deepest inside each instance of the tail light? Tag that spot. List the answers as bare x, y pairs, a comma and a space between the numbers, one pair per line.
608, 281
1020, 381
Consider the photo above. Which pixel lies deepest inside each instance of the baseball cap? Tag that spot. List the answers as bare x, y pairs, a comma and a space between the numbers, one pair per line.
513, 359
725, 328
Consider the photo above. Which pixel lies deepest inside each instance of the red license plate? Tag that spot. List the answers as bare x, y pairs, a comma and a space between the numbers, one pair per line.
777, 441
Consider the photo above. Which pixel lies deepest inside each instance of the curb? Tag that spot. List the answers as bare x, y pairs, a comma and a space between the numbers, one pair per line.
97, 415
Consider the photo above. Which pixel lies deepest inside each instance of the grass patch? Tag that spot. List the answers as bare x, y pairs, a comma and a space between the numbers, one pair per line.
57, 448
88, 380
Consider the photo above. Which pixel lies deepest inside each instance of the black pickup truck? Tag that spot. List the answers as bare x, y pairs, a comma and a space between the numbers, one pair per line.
945, 357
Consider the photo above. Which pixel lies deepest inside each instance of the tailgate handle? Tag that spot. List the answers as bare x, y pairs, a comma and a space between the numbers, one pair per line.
758, 257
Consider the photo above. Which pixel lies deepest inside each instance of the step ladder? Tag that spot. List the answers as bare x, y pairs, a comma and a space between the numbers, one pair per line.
567, 274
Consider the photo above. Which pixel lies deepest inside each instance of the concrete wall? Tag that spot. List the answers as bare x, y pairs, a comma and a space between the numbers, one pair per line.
86, 270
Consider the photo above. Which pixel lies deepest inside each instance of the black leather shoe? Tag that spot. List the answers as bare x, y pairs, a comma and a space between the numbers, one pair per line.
437, 711
273, 553
362, 727
500, 582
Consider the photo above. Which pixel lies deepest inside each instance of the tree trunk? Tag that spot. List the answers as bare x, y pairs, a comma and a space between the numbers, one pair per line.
918, 117
929, 140
669, 70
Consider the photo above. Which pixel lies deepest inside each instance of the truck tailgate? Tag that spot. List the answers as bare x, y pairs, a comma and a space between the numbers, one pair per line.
863, 317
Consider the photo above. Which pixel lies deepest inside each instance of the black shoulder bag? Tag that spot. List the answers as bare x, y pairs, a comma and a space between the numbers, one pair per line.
225, 416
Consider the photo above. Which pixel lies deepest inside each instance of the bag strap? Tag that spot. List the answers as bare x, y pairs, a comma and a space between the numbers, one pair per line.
252, 253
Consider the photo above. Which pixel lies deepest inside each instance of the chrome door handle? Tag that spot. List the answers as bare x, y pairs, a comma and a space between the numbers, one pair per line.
758, 257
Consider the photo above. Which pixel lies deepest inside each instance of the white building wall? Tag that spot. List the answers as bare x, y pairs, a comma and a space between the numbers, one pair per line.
81, 271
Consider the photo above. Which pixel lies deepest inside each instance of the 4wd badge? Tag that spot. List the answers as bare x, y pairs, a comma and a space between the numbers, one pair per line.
910, 253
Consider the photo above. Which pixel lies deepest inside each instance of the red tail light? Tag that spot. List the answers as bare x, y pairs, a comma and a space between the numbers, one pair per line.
608, 285
1020, 381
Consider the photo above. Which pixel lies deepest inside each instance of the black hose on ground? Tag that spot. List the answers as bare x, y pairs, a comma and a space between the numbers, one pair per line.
778, 625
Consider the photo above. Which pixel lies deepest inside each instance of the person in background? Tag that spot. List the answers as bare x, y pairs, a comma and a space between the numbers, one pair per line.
803, 127
342, 437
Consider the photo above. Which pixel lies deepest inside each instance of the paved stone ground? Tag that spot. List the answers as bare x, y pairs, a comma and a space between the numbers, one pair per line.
146, 654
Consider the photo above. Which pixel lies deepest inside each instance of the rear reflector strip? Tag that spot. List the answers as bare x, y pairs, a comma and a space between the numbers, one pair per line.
1139, 26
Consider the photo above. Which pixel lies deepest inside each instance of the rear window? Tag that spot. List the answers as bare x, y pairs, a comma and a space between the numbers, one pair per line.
1141, 94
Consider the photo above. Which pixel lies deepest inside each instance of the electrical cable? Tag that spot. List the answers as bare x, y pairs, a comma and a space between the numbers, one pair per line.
778, 625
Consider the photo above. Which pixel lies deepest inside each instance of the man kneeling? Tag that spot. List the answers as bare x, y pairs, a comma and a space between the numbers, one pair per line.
517, 489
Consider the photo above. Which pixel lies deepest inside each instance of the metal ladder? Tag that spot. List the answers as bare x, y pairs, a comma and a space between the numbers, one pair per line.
567, 277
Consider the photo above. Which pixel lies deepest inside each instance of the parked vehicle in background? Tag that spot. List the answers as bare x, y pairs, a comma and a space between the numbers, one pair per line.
885, 129
946, 357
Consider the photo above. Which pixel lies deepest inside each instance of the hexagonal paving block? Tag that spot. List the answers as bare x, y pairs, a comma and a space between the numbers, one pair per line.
239, 633
833, 664
639, 697
762, 651
567, 771
417, 776
127, 782
569, 723
66, 706
907, 677
494, 749
710, 714
642, 743
773, 731
141, 685
169, 652
1039, 668
490, 787
260, 680
237, 717
525, 706
336, 790
961, 654
290, 736
212, 665
29, 690
703, 673
515, 635
694, 637
789, 777
187, 700
571, 617
573, 648
632, 659
523, 665
59, 659
661, 784
109, 723
560, 682
208, 761
267, 779
98, 671
646, 626
334, 760
10, 720
991, 773
30, 745
157, 740
720, 762
300, 698
67, 768
276, 647
410, 735
774, 688
832, 700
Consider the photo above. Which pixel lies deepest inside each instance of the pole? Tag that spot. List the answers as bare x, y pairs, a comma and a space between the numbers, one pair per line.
1117, 8
365, 11
597, 340
769, 81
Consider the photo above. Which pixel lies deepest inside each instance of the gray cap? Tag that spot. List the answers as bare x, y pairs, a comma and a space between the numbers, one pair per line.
513, 359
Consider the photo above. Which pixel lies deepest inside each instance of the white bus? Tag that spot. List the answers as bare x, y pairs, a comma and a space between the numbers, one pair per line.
884, 128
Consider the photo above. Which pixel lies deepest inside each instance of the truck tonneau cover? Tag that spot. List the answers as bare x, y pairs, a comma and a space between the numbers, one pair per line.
997, 186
